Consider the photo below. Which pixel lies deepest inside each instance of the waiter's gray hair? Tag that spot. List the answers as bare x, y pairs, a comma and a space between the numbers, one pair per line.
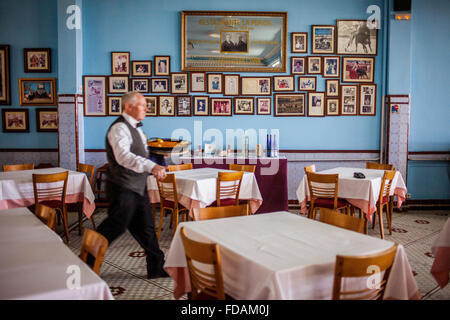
130, 98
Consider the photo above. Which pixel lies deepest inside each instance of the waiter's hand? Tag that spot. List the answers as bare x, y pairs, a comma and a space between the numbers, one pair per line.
159, 172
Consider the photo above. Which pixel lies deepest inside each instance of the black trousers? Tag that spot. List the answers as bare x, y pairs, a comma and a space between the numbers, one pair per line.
129, 210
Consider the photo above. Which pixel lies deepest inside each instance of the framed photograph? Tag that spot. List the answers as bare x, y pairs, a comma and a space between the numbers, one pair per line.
331, 67
256, 86
15, 120
307, 83
140, 85
215, 83
289, 105
160, 85
152, 102
233, 41
162, 65
94, 95
299, 42
244, 105
118, 84
356, 38
166, 106
179, 82
316, 104
231, 85
5, 84
37, 91
47, 120
367, 99
221, 106
264, 106
358, 69
349, 100
314, 65
332, 106
283, 83
332, 87
201, 106
184, 106
37, 60
198, 82
114, 106
297, 65
323, 39
120, 63
141, 68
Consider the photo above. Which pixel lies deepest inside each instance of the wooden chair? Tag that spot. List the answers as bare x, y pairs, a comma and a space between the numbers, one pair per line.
98, 189
383, 201
44, 165
311, 168
50, 190
358, 266
93, 244
17, 167
341, 220
220, 212
168, 195
47, 215
323, 190
228, 187
379, 166
178, 167
242, 167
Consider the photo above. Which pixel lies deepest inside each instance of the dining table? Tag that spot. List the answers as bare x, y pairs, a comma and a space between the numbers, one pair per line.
440, 269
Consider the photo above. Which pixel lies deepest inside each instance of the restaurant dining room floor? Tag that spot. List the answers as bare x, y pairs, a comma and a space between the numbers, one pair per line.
124, 266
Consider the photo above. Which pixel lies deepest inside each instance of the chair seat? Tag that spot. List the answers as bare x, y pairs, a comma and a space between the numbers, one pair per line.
225, 202
49, 203
329, 203
171, 205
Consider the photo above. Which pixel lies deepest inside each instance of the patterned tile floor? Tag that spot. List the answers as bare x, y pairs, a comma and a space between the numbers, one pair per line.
124, 267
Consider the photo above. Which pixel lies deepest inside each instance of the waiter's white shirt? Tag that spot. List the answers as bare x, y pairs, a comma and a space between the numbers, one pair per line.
120, 139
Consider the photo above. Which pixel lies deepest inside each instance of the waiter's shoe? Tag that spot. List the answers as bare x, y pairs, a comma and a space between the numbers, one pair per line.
160, 274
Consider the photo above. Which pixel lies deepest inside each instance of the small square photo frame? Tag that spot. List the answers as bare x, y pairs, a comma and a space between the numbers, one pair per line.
316, 104
140, 85
332, 87
120, 63
114, 106
201, 106
298, 65
162, 65
264, 106
332, 106
244, 105
198, 81
47, 120
231, 85
368, 99
215, 83
289, 104
37, 60
331, 67
160, 85
349, 100
152, 103
141, 68
283, 83
166, 106
323, 39
118, 84
221, 107
180, 82
307, 83
314, 65
15, 120
299, 42
184, 106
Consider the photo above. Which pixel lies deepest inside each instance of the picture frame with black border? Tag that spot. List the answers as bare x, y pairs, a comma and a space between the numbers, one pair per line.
141, 68
289, 104
184, 106
47, 120
152, 106
118, 84
179, 82
37, 60
5, 81
37, 91
314, 64
160, 85
222, 107
120, 63
166, 106
332, 106
201, 106
298, 65
140, 85
332, 87
299, 42
114, 106
162, 65
15, 120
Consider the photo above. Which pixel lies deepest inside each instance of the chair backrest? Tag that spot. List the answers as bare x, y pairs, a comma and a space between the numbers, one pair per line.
323, 186
100, 177
17, 167
311, 168
47, 215
228, 186
88, 169
178, 167
242, 167
362, 266
209, 282
94, 244
168, 189
379, 166
50, 186
386, 184
220, 212
341, 220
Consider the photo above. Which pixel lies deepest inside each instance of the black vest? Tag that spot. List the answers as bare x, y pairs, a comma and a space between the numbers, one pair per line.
120, 175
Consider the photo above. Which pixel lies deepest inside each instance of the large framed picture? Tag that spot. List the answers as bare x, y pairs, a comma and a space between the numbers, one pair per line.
332, 106
331, 67
215, 83
198, 82
231, 85
358, 69
184, 106
140, 85
15, 120
37, 91
225, 41
166, 106
201, 105
141, 68
264, 106
332, 87
160, 85
314, 65
356, 38
349, 100
180, 82
46, 120
37, 60
118, 84
120, 63
307, 83
221, 106
5, 85
152, 102
289, 105
367, 99
297, 65
283, 83
256, 86
323, 39
299, 42
94, 95
244, 105
316, 104
114, 106
162, 65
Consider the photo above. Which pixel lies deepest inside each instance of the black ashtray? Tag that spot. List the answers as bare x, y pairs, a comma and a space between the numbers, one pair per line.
359, 175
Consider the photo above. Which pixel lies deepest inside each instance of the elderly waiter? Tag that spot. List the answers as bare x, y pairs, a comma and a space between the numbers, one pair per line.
129, 166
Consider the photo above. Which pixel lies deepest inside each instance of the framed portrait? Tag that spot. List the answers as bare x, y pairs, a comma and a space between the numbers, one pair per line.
356, 38
201, 105
256, 86
307, 83
160, 85
297, 65
367, 99
37, 60
94, 94
184, 106
231, 85
15, 120
120, 63
162, 65
114, 106
349, 100
152, 102
264, 106
215, 83
140, 85
37, 91
233, 41
332, 106
314, 65
299, 42
198, 82
166, 106
244, 105
118, 84
221, 106
316, 104
141, 68
331, 67
323, 39
179, 81
47, 120
332, 87
289, 105
358, 69
5, 84
283, 83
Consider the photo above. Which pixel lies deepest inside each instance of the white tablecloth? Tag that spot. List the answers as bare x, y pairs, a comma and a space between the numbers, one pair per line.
34, 263
283, 256
16, 189
441, 251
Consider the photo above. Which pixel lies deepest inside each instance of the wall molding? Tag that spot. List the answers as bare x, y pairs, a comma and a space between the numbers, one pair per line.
29, 150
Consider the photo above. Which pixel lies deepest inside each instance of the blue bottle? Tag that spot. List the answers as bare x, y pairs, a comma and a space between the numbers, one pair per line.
269, 145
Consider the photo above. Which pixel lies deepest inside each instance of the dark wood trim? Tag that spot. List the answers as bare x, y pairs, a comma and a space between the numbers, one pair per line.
94, 150
28, 150
427, 152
